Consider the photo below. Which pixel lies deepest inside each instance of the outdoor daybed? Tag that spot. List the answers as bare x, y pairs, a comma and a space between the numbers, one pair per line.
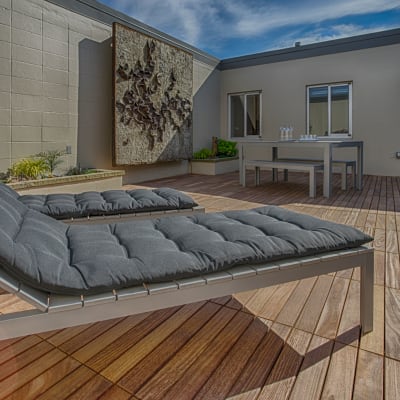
76, 274
110, 204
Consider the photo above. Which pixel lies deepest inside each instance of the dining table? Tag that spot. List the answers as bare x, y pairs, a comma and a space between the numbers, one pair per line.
324, 146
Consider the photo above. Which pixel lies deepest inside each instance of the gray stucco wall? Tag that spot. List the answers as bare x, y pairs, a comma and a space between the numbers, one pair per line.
376, 98
56, 90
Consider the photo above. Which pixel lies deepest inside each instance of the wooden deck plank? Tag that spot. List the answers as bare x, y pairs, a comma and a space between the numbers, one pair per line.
310, 380
340, 376
176, 372
309, 317
226, 374
392, 381
283, 376
392, 323
114, 350
331, 313
116, 393
249, 383
119, 367
45, 380
368, 382
197, 329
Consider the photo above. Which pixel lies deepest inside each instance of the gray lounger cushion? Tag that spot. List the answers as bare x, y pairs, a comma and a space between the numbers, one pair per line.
50, 255
110, 202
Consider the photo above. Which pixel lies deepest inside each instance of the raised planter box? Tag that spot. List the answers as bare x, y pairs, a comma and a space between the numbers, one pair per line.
214, 166
97, 181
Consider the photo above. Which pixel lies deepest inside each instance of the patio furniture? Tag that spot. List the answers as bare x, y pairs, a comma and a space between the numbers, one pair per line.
344, 165
326, 145
310, 167
75, 274
113, 205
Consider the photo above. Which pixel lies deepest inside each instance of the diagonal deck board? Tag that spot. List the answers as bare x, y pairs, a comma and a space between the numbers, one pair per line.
298, 340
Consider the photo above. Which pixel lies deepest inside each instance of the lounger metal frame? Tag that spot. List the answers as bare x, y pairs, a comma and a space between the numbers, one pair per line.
108, 219
55, 311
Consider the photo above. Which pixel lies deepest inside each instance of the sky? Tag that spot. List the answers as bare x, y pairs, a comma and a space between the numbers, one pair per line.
231, 28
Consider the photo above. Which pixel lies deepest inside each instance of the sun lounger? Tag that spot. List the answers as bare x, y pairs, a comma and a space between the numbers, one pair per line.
110, 205
76, 274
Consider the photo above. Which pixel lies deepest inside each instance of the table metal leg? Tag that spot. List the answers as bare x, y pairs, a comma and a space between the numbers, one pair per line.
327, 170
360, 166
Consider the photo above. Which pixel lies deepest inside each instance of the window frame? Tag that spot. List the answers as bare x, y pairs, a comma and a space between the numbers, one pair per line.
330, 86
245, 94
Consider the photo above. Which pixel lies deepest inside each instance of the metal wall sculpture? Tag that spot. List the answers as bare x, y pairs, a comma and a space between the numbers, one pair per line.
152, 99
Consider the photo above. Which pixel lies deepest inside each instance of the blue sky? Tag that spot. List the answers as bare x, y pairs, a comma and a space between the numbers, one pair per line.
230, 28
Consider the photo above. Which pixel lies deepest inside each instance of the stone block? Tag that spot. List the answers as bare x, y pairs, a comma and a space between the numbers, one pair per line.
5, 100
25, 149
29, 8
5, 163
5, 83
73, 79
5, 117
55, 61
26, 134
55, 32
26, 23
26, 86
75, 38
26, 54
55, 119
55, 90
55, 76
5, 17
26, 118
5, 49
5, 150
5, 33
27, 71
5, 133
56, 134
5, 66
73, 93
73, 64
27, 102
5, 4
55, 47
81, 25
27, 39
56, 105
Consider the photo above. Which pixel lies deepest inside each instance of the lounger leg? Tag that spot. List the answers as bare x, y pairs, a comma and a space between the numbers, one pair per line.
344, 177
367, 294
313, 182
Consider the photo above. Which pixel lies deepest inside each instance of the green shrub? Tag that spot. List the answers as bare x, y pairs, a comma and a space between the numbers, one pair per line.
80, 171
202, 154
52, 158
29, 168
226, 148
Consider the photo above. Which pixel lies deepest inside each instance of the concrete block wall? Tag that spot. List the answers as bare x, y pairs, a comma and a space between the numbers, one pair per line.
56, 89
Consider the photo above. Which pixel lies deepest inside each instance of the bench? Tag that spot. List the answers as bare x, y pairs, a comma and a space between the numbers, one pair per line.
310, 167
342, 164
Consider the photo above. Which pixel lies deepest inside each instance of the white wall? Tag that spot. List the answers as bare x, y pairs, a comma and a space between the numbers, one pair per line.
375, 74
56, 89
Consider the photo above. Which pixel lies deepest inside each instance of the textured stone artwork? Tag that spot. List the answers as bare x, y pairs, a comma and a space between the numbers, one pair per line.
152, 99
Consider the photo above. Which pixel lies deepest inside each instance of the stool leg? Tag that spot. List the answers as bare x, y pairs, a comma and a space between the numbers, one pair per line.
285, 175
257, 175
354, 176
313, 182
344, 177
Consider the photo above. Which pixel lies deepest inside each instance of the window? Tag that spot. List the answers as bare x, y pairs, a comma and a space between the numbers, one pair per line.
329, 109
244, 114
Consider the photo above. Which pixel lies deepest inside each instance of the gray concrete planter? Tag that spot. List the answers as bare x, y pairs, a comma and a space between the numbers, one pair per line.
214, 166
97, 181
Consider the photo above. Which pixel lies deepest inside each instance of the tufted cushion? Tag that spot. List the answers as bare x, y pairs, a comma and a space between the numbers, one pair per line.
110, 202
50, 255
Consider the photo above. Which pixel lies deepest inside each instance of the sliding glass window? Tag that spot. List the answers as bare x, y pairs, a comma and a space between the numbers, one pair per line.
244, 114
329, 110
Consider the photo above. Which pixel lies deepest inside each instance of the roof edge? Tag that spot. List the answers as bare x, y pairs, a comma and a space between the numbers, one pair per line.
369, 40
104, 14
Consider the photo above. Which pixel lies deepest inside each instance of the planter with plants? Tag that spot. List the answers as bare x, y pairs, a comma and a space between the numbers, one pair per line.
220, 160
37, 174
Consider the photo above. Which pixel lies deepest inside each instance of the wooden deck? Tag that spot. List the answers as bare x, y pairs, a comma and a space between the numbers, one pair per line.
300, 340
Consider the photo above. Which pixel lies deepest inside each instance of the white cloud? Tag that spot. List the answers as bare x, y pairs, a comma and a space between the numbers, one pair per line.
207, 23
